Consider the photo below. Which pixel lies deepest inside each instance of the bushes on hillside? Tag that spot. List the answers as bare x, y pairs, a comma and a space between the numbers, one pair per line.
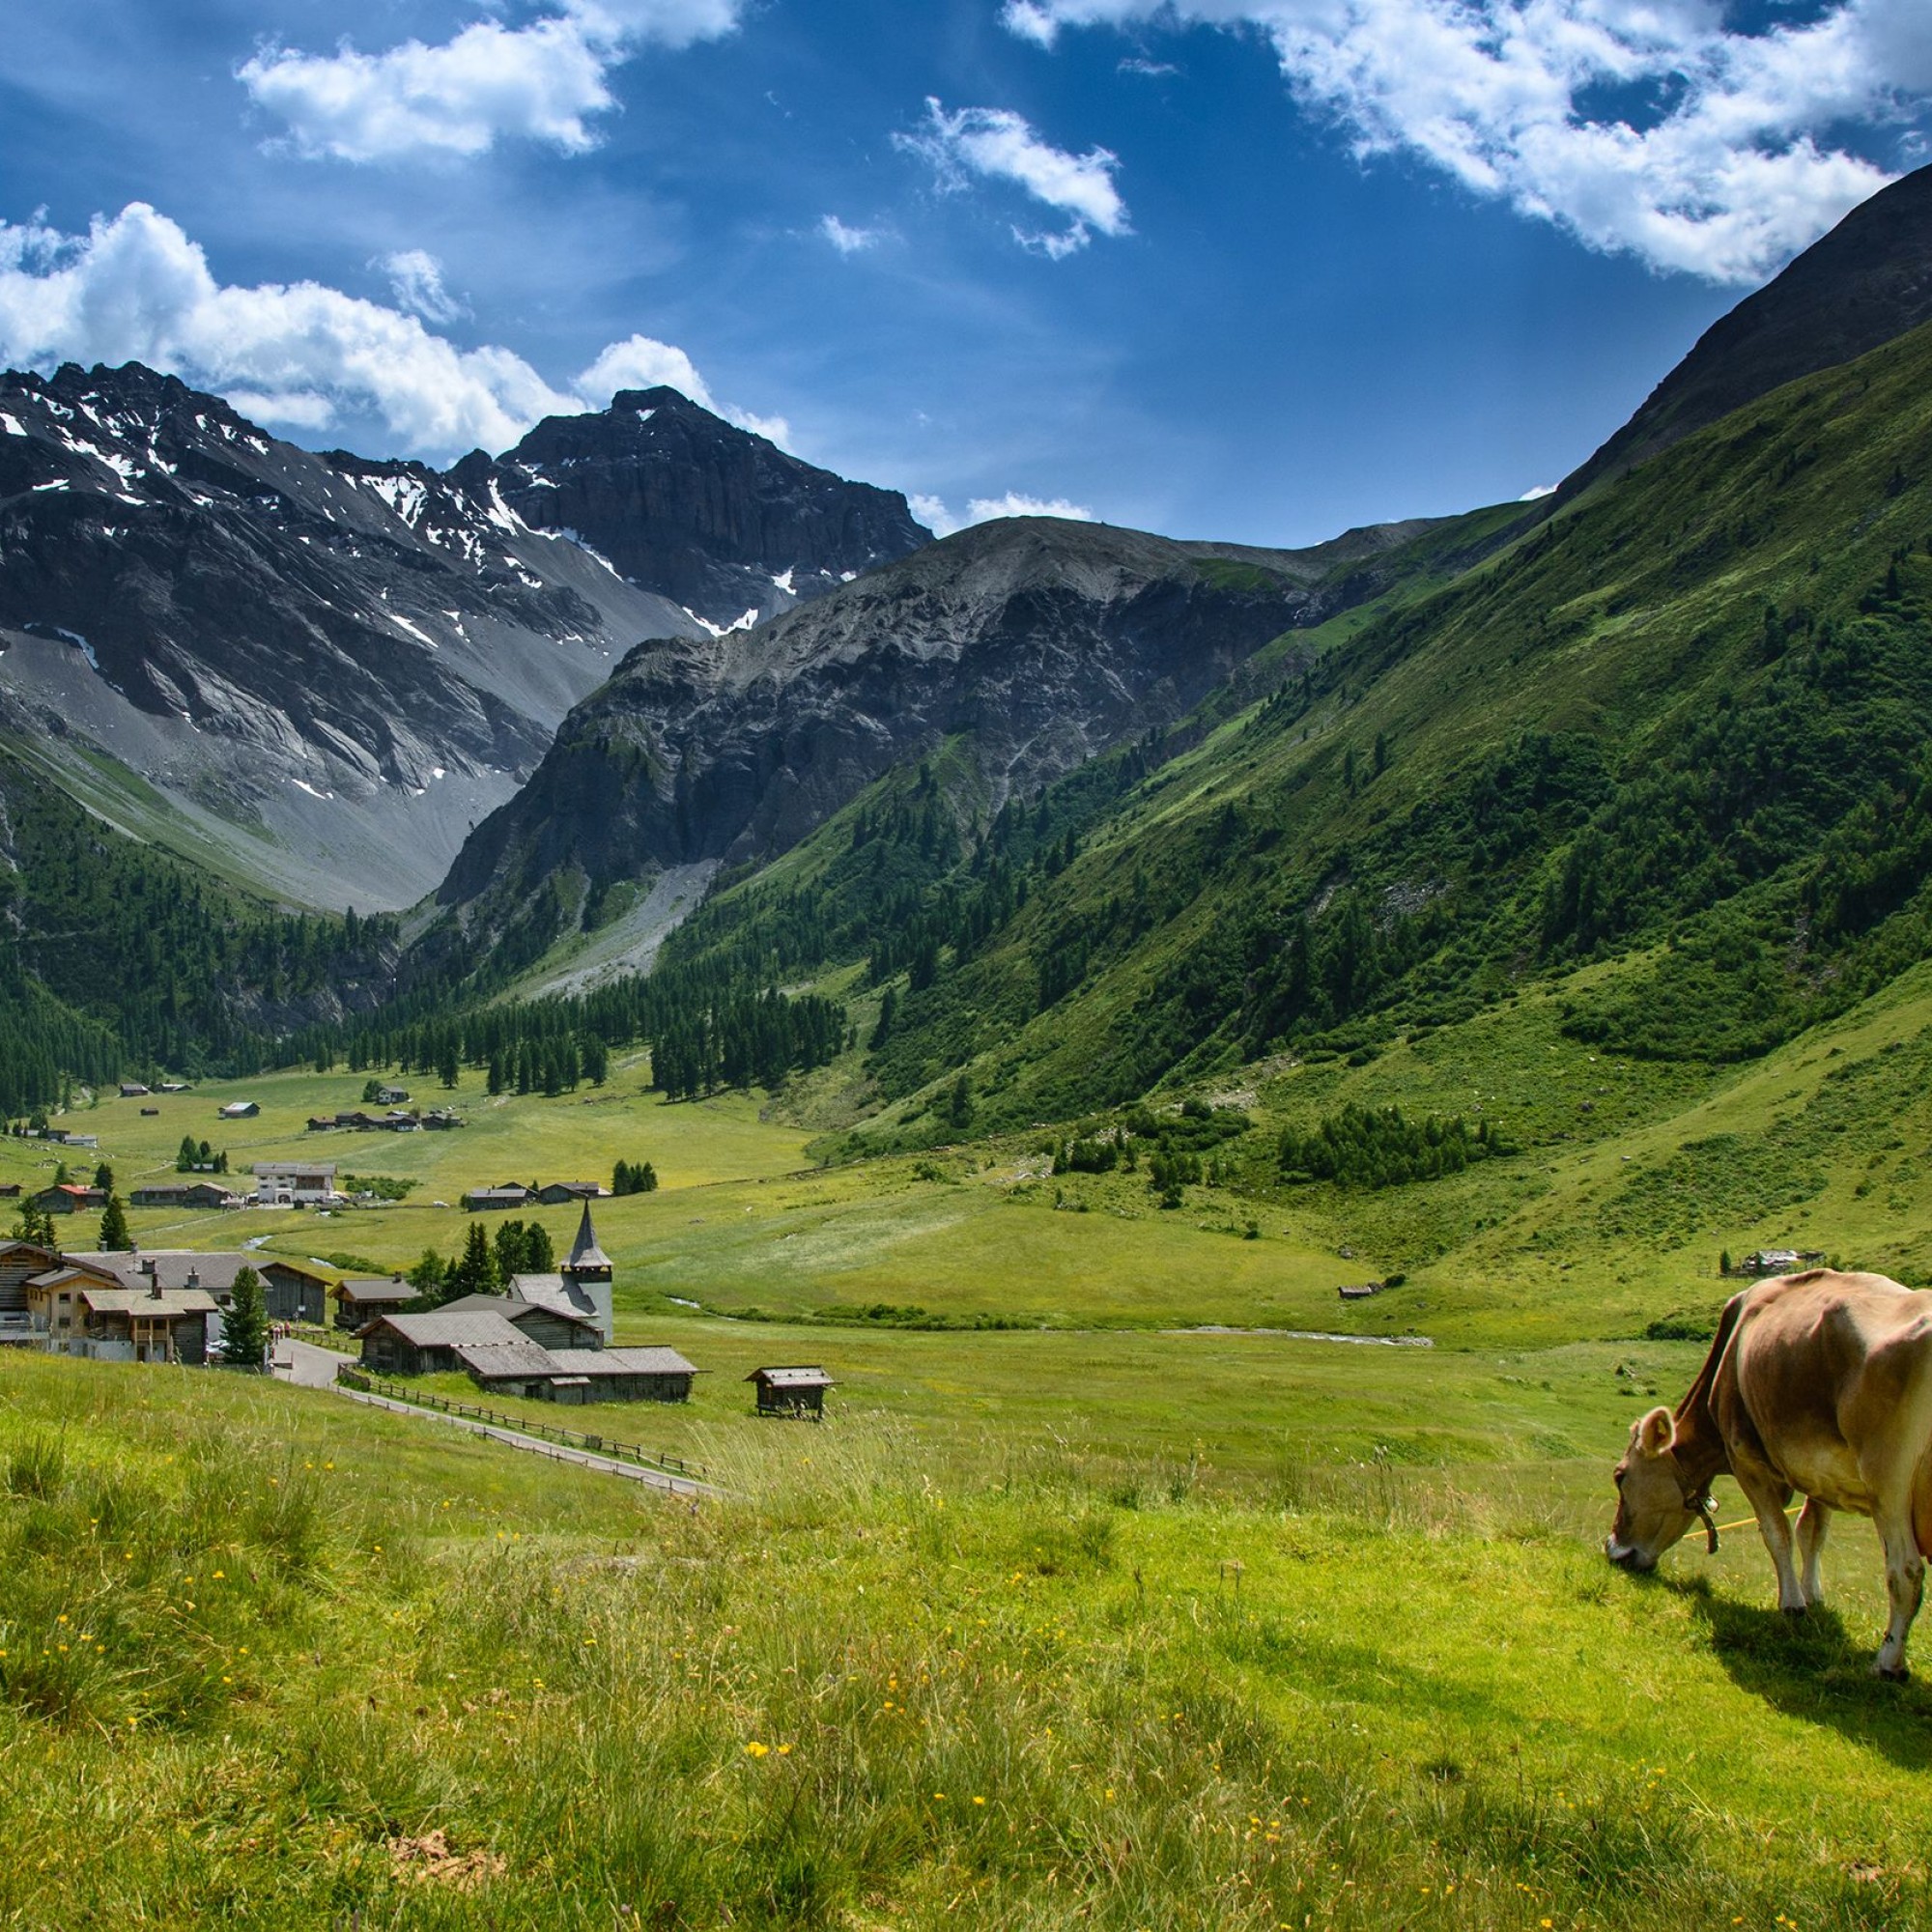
1381, 1147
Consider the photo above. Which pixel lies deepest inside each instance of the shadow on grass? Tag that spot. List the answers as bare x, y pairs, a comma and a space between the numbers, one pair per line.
1813, 1669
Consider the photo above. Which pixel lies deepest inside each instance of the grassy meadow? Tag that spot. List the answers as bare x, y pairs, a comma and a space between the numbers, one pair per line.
1100, 1598
275, 1659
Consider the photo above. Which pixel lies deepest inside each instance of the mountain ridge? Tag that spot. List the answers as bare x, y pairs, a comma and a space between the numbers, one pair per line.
328, 666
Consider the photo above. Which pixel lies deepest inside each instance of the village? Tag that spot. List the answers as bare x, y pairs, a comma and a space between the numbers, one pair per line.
544, 1335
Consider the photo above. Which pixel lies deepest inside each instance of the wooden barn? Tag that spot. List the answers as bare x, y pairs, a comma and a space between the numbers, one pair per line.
797, 1391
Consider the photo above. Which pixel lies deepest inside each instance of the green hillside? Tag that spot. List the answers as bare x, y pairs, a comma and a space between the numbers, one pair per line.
1679, 728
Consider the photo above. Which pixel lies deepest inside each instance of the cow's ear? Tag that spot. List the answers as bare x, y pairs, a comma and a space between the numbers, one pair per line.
1655, 1431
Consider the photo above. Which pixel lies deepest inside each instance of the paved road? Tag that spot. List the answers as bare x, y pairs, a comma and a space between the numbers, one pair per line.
309, 1367
304, 1364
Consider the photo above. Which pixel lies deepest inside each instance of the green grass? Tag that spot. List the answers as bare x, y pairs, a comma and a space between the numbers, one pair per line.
306, 1641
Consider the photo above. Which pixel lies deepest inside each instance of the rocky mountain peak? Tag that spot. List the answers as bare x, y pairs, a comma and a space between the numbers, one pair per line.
1862, 285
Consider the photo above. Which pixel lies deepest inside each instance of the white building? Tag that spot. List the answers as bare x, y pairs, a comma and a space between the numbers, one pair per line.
295, 1183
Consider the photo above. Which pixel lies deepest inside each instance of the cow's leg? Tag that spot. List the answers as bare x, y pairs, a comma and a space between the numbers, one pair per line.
1812, 1523
1768, 1494
1905, 1585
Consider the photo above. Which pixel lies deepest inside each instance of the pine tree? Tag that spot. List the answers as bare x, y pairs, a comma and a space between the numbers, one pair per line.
104, 1177
475, 1270
244, 1323
36, 1225
185, 1158
113, 1223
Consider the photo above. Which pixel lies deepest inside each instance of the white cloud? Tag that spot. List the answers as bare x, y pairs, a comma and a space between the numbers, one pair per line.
416, 277
984, 509
640, 364
1728, 171
934, 513
1537, 494
998, 144
541, 82
849, 241
305, 357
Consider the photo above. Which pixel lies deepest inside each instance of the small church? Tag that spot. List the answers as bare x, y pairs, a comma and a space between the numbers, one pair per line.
547, 1336
580, 1287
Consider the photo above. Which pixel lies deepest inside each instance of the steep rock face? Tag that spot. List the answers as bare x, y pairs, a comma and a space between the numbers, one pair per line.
1860, 286
319, 671
719, 520
1040, 642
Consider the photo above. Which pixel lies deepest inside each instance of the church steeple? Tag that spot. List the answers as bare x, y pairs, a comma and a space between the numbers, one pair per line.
586, 1277
587, 1260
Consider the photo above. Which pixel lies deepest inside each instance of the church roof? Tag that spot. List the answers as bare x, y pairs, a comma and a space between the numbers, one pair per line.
585, 1251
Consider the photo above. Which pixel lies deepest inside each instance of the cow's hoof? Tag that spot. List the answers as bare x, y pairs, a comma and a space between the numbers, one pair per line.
1897, 1673
1794, 1610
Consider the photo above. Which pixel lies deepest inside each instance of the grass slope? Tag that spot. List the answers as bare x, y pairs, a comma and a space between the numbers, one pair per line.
275, 1659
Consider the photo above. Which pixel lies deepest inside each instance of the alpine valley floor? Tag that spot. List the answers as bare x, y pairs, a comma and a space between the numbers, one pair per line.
1063, 1616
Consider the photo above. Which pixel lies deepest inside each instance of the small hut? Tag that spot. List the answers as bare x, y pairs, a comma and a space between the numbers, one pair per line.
790, 1391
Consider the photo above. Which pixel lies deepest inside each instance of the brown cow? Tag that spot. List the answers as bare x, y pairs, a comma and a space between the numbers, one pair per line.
1818, 1382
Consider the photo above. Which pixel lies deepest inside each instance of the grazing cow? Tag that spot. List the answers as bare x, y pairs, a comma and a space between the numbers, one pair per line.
1817, 1382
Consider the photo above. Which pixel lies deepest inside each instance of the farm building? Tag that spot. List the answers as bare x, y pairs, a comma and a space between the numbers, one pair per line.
423, 1345
561, 1193
361, 1298
239, 1110
790, 1391
71, 1198
580, 1374
546, 1323
505, 1194
282, 1183
185, 1194
132, 1089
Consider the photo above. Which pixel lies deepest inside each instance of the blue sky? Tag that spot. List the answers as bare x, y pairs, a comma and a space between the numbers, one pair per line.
1249, 269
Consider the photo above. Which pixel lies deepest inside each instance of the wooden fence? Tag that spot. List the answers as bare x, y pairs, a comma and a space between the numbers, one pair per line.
523, 1425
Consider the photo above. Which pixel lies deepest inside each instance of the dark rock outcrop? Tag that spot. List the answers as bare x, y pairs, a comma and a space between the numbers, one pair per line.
1041, 643
711, 516
1860, 286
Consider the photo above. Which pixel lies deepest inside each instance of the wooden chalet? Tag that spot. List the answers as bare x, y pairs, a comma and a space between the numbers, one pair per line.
21, 1263
290, 1292
547, 1323
185, 1194
799, 1391
423, 1345
75, 1308
565, 1193
505, 1194
360, 1298
66, 1196
575, 1375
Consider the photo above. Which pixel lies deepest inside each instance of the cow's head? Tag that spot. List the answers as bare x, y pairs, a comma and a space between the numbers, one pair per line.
1652, 1508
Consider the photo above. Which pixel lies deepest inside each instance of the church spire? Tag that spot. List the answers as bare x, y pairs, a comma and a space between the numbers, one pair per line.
586, 1258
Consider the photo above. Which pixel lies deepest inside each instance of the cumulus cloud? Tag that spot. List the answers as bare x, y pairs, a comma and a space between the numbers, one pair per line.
849, 240
416, 277
935, 514
640, 364
542, 81
998, 144
300, 355
1716, 158
983, 509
